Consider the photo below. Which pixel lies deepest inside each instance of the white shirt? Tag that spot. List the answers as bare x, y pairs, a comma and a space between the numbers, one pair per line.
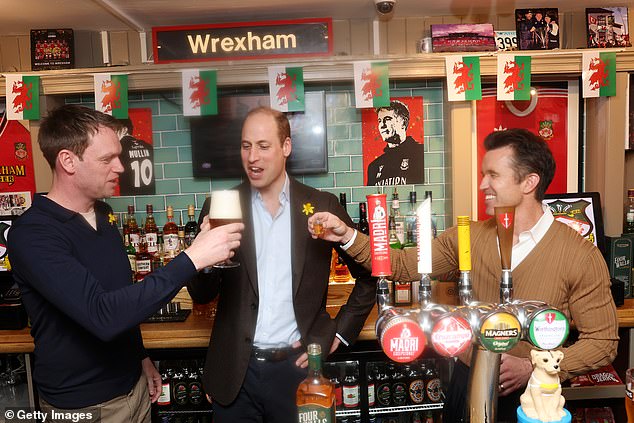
528, 240
276, 325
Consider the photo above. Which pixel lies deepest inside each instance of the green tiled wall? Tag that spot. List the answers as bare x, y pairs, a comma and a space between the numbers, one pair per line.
176, 186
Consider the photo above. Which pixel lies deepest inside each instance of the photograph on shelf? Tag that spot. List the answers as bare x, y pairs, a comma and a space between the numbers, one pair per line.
607, 27
537, 28
52, 49
462, 37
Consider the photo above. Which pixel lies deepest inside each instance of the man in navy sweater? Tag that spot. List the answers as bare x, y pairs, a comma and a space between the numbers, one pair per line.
75, 278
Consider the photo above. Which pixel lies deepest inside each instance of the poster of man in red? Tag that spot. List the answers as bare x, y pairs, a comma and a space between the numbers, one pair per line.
17, 178
393, 143
550, 113
137, 155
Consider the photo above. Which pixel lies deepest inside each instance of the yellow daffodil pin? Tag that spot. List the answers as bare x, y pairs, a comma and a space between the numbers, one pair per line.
308, 209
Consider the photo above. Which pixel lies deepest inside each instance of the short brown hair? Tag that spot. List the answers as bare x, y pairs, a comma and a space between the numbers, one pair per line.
283, 125
70, 127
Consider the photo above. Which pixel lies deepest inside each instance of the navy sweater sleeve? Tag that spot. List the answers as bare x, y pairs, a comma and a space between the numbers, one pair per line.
46, 260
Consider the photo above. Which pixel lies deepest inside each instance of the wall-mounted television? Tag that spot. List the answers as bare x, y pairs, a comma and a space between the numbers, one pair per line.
216, 139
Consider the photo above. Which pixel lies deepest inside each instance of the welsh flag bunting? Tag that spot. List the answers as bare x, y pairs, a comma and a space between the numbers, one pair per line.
371, 84
286, 86
111, 94
200, 92
514, 77
599, 74
463, 78
23, 97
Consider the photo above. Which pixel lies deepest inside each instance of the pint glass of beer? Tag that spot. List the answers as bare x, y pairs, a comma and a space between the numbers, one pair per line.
629, 395
224, 208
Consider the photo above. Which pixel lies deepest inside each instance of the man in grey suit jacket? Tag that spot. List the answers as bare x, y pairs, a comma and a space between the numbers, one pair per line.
274, 303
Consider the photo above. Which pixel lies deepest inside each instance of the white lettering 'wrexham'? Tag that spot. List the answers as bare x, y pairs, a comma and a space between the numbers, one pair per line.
111, 94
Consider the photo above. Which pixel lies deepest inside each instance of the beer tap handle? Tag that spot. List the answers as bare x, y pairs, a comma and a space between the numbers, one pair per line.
505, 220
464, 259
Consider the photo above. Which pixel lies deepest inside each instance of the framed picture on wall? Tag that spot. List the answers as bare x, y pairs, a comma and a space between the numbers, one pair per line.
582, 212
537, 28
607, 27
552, 113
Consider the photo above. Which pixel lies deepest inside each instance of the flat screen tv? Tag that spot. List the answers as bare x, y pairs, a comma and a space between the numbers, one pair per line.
216, 139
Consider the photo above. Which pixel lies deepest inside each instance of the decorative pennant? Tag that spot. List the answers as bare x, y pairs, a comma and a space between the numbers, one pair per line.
463, 78
200, 92
23, 97
111, 94
514, 77
286, 86
371, 84
599, 74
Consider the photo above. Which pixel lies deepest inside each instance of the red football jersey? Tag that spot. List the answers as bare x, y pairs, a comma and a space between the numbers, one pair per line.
16, 157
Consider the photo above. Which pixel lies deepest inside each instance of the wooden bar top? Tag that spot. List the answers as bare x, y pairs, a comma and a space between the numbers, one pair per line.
196, 330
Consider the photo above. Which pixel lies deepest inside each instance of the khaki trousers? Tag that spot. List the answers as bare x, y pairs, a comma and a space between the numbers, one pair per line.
133, 407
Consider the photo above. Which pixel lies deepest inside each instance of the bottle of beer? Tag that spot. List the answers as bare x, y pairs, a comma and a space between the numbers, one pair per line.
143, 259
180, 396
164, 401
433, 388
628, 227
151, 230
170, 234
195, 388
363, 225
351, 388
399, 387
416, 384
334, 376
133, 228
191, 228
370, 384
383, 385
315, 395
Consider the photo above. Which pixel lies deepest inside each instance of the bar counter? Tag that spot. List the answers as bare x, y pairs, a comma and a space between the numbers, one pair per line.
195, 332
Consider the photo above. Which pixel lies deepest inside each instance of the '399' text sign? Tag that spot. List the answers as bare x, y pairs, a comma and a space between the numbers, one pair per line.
243, 40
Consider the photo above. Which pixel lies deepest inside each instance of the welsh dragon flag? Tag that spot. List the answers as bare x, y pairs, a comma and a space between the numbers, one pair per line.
371, 84
514, 77
599, 74
111, 94
23, 97
200, 92
286, 86
463, 78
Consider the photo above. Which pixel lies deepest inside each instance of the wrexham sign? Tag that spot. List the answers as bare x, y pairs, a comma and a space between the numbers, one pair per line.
243, 40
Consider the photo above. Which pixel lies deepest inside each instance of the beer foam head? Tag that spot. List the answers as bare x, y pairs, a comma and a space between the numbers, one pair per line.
225, 205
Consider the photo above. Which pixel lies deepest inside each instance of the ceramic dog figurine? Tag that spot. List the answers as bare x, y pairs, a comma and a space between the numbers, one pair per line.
542, 399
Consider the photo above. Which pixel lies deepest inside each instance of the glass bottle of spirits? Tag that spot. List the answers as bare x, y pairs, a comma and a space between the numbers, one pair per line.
393, 240
342, 274
410, 222
133, 228
363, 226
191, 228
143, 259
628, 228
399, 220
151, 230
131, 252
181, 240
315, 397
159, 257
170, 234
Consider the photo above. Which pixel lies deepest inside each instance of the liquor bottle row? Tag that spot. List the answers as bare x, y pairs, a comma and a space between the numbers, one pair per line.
387, 384
182, 394
149, 248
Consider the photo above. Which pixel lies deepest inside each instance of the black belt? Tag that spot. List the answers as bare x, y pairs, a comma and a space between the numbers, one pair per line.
274, 354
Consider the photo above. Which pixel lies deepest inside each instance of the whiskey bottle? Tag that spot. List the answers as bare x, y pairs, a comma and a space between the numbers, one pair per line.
191, 228
133, 228
151, 230
143, 260
131, 252
315, 395
170, 235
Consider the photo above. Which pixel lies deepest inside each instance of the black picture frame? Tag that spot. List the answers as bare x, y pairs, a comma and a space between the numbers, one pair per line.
582, 212
216, 139
537, 28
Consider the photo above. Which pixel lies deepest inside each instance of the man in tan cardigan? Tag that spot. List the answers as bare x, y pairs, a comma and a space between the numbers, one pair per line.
550, 262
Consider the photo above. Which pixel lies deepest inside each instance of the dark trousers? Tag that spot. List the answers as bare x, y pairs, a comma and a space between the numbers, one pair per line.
455, 409
267, 394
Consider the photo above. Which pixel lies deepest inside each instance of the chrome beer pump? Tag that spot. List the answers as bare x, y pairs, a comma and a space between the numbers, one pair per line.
499, 327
